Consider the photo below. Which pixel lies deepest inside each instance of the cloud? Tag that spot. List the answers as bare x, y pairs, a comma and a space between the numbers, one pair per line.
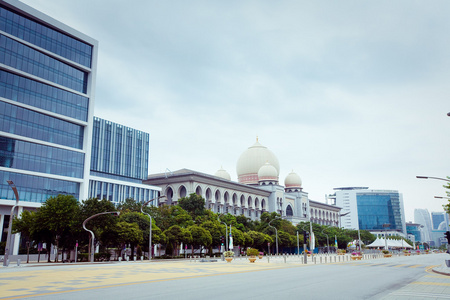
345, 93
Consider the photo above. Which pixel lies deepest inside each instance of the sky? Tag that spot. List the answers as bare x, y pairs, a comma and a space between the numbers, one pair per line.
344, 93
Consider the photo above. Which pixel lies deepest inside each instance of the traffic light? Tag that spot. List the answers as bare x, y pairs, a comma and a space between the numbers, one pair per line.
447, 236
222, 239
305, 237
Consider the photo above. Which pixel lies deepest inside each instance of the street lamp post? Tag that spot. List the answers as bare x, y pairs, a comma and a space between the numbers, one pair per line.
276, 234
328, 245
385, 226
226, 232
438, 197
8, 237
92, 233
150, 234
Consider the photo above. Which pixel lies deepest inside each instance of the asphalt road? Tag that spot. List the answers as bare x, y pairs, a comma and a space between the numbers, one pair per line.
385, 278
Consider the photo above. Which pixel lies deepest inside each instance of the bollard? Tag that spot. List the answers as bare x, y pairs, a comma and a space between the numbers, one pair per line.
315, 260
128, 259
18, 262
268, 258
325, 259
142, 258
284, 256
134, 258
120, 259
321, 260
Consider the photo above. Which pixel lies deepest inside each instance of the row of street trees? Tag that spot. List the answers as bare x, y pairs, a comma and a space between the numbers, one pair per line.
59, 222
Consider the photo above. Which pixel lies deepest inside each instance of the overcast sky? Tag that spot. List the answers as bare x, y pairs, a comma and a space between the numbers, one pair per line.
345, 93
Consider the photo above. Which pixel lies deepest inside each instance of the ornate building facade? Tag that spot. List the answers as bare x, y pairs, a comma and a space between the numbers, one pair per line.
258, 190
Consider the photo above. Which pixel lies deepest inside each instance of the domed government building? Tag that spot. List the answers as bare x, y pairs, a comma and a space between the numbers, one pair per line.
258, 190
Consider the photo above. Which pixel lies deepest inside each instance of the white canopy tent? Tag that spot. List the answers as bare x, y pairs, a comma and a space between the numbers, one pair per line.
381, 243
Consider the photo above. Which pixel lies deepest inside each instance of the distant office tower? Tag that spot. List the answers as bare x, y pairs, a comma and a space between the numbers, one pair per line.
422, 217
440, 221
370, 209
119, 163
413, 231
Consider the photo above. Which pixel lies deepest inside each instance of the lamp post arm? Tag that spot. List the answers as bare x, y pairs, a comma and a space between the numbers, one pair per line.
429, 177
92, 233
150, 234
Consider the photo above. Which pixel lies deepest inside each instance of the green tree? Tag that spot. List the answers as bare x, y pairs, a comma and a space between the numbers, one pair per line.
176, 235
60, 216
194, 205
128, 233
102, 226
258, 238
130, 204
216, 231
447, 206
200, 237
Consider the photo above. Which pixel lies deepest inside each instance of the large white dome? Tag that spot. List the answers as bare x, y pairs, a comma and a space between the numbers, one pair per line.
252, 160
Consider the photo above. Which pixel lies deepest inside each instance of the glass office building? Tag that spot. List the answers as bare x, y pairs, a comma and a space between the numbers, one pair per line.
376, 208
119, 163
367, 209
47, 72
413, 231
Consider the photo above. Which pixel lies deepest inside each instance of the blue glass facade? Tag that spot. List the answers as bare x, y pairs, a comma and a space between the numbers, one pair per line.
119, 163
25, 122
119, 150
413, 229
119, 192
20, 89
40, 158
45, 37
35, 188
26, 59
376, 209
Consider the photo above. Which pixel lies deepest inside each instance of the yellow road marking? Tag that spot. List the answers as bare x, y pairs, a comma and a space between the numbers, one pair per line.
415, 266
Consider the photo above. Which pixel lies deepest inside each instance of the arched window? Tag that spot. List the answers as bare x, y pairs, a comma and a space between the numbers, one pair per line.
289, 211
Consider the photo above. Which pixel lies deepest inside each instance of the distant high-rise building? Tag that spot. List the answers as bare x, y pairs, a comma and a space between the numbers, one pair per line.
422, 217
370, 209
119, 163
413, 231
439, 221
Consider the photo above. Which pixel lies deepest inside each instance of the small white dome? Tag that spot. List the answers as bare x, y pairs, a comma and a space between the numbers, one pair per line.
293, 181
267, 172
223, 174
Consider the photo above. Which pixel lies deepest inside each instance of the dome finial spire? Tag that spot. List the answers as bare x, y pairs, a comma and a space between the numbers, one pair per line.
257, 139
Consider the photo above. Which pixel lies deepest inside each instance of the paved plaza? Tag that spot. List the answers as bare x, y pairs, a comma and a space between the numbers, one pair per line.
64, 280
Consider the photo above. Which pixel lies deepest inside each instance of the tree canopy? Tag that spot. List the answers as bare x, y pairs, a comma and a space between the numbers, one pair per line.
59, 221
